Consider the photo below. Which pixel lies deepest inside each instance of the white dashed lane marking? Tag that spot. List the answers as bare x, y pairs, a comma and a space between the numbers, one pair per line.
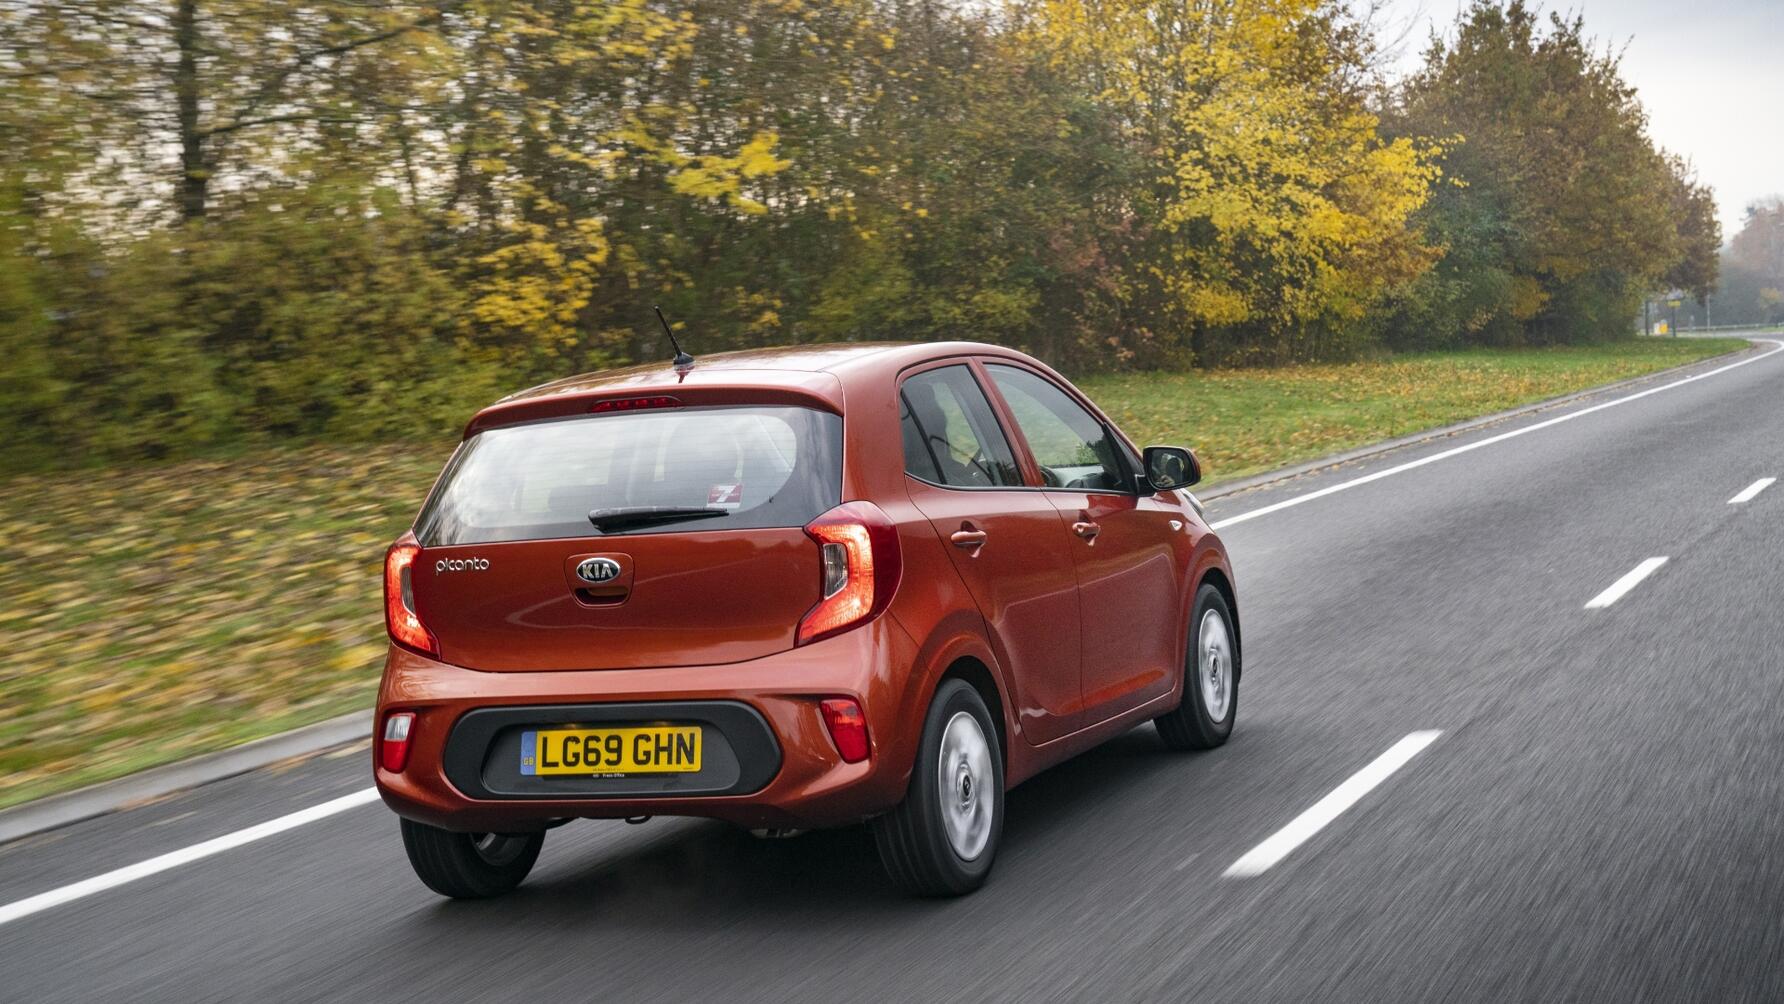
1629, 581
1752, 491
1300, 829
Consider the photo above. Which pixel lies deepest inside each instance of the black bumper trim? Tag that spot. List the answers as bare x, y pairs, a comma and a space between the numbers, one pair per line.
474, 738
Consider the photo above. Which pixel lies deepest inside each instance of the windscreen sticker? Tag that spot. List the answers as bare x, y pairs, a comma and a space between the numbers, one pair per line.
725, 497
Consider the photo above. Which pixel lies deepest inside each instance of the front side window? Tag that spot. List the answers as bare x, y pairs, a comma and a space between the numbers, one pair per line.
1073, 449
951, 436
735, 468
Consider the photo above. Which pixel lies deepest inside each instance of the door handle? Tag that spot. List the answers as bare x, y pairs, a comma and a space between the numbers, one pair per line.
1087, 530
970, 539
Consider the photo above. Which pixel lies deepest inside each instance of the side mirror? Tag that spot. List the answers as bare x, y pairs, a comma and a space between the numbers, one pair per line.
1171, 467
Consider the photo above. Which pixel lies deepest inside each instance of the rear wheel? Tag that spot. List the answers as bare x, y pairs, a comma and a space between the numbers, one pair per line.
940, 841
470, 865
1204, 719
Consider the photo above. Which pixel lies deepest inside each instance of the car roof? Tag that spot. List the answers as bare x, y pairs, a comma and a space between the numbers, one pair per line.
759, 366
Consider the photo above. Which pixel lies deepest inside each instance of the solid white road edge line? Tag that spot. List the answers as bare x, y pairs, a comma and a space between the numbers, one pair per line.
185, 855
1489, 441
1752, 491
1281, 843
1630, 580
174, 859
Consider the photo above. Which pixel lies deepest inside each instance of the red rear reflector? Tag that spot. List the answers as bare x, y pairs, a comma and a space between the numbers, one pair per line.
400, 619
393, 742
848, 728
636, 404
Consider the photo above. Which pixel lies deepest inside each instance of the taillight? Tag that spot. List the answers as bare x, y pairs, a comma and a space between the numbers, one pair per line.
858, 546
848, 728
400, 618
393, 742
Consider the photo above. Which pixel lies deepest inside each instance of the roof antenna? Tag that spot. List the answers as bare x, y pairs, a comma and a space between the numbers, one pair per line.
681, 358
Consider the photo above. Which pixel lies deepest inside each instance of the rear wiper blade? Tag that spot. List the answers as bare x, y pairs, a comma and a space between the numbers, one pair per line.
623, 517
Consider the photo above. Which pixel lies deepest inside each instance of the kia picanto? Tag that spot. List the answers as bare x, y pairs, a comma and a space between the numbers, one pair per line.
793, 588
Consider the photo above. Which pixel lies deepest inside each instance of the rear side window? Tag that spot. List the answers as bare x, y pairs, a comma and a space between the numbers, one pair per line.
918, 461
763, 466
1073, 449
951, 436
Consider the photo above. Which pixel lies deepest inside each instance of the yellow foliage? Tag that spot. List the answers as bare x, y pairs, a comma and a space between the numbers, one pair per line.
1527, 297
1266, 174
721, 177
538, 284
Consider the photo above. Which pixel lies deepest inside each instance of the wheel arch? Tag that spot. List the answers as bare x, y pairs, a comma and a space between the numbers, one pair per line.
955, 648
1218, 579
978, 676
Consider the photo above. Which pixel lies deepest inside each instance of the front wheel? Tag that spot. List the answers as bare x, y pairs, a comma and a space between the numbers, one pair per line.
1204, 719
941, 839
470, 865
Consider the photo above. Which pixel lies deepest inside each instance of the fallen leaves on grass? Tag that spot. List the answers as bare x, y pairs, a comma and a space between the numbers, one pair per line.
161, 611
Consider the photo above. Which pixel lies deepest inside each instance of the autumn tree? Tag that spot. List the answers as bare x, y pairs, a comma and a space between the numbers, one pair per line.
202, 92
1272, 203
1557, 213
232, 220
1696, 261
1751, 282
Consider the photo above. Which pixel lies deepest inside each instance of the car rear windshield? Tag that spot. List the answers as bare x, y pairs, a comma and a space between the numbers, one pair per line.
761, 466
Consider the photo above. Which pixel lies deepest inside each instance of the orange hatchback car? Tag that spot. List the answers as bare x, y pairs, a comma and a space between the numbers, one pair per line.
790, 588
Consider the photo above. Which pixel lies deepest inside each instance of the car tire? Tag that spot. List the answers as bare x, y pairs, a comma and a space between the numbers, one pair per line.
941, 840
1204, 718
470, 865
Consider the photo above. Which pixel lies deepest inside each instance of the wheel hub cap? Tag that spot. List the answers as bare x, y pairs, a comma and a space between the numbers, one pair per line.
965, 770
1215, 647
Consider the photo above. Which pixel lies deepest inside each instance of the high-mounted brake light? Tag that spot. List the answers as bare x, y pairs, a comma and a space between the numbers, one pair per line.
861, 564
848, 728
400, 618
393, 742
635, 404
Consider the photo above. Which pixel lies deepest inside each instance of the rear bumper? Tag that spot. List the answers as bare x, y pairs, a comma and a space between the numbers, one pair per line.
765, 712
484, 749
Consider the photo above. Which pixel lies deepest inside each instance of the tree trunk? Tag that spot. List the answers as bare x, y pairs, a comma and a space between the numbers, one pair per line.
194, 174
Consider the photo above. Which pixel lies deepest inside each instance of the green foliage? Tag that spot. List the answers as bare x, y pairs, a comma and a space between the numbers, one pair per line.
1557, 213
315, 318
226, 222
1272, 204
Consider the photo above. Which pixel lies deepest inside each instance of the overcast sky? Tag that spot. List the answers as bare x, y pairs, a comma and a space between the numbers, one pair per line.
1710, 72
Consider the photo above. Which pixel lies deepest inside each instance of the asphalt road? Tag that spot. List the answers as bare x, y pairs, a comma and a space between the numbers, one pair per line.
1601, 817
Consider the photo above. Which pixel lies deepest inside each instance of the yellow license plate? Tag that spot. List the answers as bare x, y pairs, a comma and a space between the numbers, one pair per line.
654, 749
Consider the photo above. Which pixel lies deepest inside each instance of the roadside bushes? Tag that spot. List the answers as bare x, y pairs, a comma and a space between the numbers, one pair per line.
315, 318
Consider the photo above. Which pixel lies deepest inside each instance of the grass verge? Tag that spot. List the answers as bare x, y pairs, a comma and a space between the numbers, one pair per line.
154, 613
1242, 422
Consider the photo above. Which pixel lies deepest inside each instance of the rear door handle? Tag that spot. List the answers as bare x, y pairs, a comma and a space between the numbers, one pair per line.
970, 539
1086, 529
